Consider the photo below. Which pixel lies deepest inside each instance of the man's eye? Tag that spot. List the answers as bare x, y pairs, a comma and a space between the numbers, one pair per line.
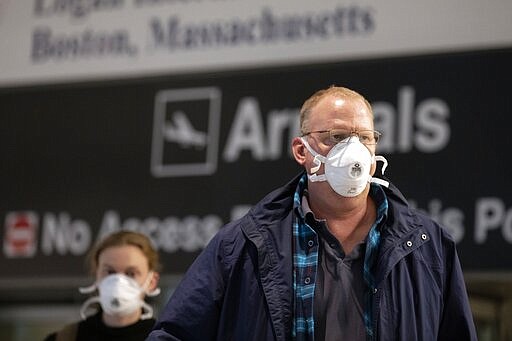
338, 136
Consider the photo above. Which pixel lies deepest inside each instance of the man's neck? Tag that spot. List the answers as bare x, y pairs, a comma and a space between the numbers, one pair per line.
348, 219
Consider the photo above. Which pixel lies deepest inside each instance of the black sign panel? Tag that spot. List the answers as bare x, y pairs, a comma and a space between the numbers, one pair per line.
177, 157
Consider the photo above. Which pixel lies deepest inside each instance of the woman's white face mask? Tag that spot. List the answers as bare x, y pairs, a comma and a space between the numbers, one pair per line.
346, 167
120, 295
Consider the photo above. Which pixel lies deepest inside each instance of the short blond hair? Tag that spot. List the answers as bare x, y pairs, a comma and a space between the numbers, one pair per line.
317, 96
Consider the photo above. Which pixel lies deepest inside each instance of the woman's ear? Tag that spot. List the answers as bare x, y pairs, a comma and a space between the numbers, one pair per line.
153, 283
299, 150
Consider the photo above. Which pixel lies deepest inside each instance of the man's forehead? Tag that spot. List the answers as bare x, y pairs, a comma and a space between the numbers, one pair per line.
339, 102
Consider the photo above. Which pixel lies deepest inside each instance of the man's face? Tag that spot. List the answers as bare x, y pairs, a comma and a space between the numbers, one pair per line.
333, 112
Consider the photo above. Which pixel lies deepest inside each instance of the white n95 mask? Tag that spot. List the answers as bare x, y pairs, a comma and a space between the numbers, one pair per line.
346, 167
120, 295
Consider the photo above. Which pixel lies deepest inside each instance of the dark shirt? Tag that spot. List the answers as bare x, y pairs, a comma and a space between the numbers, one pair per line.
93, 328
339, 287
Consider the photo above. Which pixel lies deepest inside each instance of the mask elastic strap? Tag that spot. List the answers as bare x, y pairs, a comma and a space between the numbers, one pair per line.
153, 293
383, 169
317, 178
86, 304
145, 285
149, 311
380, 181
145, 306
317, 160
383, 159
87, 290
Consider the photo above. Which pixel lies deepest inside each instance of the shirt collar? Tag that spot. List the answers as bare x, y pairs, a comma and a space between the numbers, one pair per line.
302, 208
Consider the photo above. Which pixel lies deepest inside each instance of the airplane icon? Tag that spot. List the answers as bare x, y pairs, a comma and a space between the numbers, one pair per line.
181, 131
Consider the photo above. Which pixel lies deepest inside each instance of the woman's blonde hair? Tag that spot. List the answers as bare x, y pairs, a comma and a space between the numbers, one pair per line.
124, 238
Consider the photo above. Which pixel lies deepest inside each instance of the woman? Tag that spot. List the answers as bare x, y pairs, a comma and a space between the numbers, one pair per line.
126, 269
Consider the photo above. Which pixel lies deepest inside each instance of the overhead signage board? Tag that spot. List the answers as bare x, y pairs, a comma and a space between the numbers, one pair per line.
56, 41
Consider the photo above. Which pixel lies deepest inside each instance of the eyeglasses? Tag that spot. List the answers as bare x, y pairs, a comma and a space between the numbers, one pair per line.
333, 136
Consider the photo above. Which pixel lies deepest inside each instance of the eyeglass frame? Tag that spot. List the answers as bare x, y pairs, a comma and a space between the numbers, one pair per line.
376, 134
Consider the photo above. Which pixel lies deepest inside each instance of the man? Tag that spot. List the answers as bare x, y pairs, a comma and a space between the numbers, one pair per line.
335, 254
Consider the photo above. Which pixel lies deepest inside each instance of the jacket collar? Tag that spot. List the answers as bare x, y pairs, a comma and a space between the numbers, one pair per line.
404, 232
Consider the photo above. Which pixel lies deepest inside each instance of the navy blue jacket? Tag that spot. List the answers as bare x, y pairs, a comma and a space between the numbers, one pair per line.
241, 288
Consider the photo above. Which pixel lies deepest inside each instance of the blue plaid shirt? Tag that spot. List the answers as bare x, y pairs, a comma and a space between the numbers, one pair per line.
305, 262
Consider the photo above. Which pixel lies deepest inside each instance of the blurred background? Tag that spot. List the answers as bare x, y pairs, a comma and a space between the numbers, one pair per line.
174, 117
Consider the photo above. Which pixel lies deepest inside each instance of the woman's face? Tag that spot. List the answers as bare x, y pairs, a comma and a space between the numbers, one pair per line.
126, 259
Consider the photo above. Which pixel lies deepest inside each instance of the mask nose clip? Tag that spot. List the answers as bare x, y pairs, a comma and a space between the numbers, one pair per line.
353, 137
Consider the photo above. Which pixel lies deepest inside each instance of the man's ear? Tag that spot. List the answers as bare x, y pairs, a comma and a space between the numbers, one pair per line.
373, 167
299, 150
